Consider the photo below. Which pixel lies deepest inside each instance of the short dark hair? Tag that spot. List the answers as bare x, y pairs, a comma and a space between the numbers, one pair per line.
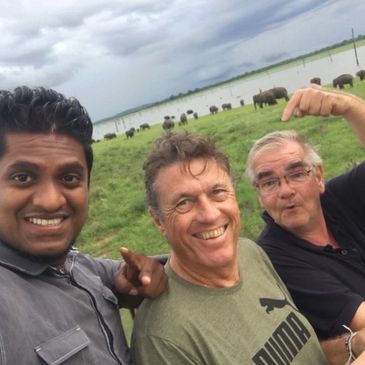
42, 110
178, 147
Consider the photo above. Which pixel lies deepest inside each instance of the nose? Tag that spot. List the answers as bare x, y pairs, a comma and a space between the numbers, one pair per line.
285, 190
208, 210
49, 196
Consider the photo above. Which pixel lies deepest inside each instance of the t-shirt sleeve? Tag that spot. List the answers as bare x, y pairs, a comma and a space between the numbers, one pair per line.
314, 292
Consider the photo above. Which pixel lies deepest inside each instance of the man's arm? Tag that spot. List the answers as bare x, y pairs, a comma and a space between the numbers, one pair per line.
139, 277
336, 350
317, 101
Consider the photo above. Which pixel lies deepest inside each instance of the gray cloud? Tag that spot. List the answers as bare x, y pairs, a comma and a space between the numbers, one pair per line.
114, 54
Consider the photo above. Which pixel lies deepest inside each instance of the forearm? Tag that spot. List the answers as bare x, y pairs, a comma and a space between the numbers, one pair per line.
335, 350
355, 116
345, 348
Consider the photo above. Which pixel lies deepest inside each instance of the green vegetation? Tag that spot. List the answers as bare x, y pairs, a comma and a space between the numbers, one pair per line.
118, 215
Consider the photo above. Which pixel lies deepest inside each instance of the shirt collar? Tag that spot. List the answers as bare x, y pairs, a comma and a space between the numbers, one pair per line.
12, 259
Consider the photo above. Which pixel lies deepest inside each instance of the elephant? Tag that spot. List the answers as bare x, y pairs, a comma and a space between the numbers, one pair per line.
226, 106
109, 135
264, 98
196, 115
341, 80
279, 93
183, 119
316, 80
361, 74
130, 133
242, 102
144, 126
213, 109
168, 124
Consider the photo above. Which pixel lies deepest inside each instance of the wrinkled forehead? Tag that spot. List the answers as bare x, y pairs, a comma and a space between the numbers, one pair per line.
278, 157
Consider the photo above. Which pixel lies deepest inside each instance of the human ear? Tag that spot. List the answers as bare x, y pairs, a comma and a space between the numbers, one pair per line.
320, 178
156, 217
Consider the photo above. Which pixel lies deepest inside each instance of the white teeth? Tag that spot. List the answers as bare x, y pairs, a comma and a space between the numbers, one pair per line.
45, 222
211, 234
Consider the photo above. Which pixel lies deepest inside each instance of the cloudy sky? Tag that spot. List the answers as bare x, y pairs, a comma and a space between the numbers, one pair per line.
117, 54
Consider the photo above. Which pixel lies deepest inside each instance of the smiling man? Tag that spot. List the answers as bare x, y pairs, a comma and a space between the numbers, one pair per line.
314, 232
56, 304
224, 304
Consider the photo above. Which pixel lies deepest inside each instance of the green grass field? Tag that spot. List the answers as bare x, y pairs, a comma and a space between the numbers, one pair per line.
118, 215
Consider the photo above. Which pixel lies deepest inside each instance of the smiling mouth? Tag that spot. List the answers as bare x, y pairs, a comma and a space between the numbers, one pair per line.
44, 222
211, 234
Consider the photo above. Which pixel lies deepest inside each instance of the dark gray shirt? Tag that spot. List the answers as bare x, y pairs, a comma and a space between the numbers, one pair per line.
52, 317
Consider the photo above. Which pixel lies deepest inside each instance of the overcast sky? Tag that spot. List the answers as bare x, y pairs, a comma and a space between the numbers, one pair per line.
117, 54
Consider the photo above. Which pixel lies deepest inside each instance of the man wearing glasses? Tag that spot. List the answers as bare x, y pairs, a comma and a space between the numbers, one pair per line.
315, 232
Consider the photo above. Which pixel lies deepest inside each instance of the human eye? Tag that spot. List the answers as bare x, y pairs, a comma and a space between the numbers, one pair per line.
219, 193
268, 184
21, 178
71, 179
184, 205
297, 175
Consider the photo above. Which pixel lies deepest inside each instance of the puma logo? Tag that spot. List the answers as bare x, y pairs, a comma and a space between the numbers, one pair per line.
270, 304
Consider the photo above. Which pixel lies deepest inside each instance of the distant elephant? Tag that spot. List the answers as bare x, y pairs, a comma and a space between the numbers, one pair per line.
226, 106
130, 133
168, 124
361, 74
196, 116
316, 80
279, 93
242, 102
183, 119
110, 135
144, 126
264, 98
341, 80
213, 109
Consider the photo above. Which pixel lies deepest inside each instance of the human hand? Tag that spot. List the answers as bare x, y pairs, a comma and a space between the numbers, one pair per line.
140, 275
317, 101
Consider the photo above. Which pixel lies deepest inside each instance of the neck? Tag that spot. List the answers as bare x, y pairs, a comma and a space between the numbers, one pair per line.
319, 235
216, 277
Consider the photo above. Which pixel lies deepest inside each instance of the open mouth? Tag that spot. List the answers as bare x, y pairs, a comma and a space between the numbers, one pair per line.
211, 234
45, 222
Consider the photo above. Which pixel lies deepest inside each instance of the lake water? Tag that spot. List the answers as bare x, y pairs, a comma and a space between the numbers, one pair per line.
292, 78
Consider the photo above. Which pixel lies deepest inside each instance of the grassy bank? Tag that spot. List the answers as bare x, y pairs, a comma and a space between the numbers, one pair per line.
118, 215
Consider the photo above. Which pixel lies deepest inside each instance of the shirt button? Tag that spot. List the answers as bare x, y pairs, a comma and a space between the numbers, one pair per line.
344, 252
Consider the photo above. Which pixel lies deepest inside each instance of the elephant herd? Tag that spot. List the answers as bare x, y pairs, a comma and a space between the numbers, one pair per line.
269, 97
264, 98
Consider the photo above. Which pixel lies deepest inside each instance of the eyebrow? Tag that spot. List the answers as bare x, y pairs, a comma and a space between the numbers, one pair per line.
292, 166
27, 165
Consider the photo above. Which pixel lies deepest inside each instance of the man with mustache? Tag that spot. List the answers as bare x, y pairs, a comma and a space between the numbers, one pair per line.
315, 231
57, 306
224, 304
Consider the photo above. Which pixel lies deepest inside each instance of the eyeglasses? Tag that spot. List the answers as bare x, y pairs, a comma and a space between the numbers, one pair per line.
271, 185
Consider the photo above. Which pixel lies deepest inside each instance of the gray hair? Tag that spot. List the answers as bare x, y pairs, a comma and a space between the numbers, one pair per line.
278, 139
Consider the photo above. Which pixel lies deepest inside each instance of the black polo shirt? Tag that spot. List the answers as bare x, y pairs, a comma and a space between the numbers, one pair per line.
327, 285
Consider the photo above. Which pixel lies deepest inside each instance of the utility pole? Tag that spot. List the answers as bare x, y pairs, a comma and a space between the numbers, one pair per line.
353, 42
